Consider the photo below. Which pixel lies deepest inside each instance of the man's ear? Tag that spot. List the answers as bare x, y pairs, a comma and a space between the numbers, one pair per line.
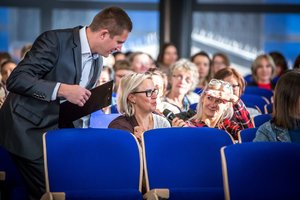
103, 33
131, 98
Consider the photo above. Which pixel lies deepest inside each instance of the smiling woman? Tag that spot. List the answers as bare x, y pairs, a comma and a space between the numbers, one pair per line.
215, 108
136, 100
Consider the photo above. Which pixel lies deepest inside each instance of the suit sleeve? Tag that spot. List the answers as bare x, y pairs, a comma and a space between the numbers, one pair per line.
28, 77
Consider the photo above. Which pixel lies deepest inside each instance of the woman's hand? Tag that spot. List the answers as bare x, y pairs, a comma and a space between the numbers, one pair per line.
138, 132
176, 122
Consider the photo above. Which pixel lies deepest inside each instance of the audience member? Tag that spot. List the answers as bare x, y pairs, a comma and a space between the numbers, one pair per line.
297, 63
285, 123
121, 68
140, 62
281, 65
240, 112
105, 76
61, 65
119, 56
24, 50
136, 100
6, 68
184, 78
263, 69
160, 81
4, 56
167, 56
203, 62
219, 61
215, 108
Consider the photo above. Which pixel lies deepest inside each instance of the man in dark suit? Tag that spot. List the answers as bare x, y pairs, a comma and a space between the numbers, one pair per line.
61, 65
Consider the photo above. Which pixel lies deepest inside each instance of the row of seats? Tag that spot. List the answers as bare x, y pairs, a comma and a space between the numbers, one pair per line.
178, 163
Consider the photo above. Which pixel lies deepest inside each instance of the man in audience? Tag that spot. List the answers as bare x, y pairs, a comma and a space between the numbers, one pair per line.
61, 65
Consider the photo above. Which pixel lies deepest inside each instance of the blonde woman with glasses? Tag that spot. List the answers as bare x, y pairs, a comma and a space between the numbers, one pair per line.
215, 108
136, 100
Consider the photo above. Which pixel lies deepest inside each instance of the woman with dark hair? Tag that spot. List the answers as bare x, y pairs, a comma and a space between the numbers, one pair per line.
281, 65
167, 56
285, 123
219, 61
203, 62
241, 114
297, 63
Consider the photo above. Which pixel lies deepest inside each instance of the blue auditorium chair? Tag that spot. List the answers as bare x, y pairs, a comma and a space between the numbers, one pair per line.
269, 108
12, 186
248, 78
251, 99
194, 106
100, 120
261, 170
268, 94
92, 164
184, 163
247, 135
261, 119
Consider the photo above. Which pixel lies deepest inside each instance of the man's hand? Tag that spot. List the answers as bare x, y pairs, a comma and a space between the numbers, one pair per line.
74, 94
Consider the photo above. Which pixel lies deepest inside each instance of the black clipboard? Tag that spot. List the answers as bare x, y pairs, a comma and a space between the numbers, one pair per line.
100, 98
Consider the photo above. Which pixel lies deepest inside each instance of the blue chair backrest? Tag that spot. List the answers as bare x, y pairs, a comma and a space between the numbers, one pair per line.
269, 108
198, 90
248, 78
194, 106
247, 135
91, 159
261, 170
100, 120
13, 183
184, 157
254, 100
260, 92
261, 119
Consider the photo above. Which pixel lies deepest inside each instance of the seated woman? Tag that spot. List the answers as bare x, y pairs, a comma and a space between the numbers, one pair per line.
183, 79
215, 108
285, 123
203, 62
241, 114
136, 100
263, 69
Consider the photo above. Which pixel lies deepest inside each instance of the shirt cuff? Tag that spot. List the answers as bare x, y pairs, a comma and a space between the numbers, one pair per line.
54, 94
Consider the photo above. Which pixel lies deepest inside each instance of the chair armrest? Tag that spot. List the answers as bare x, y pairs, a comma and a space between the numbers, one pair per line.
156, 194
54, 196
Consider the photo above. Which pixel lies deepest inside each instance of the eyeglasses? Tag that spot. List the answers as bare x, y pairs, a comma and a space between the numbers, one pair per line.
181, 77
149, 93
219, 84
235, 86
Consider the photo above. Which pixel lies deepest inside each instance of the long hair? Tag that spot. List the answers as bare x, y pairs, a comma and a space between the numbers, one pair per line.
286, 107
227, 114
257, 62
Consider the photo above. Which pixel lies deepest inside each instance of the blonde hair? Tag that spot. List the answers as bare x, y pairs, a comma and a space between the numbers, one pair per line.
257, 62
227, 114
187, 66
129, 84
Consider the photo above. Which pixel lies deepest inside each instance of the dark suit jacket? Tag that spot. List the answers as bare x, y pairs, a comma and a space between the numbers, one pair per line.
28, 111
